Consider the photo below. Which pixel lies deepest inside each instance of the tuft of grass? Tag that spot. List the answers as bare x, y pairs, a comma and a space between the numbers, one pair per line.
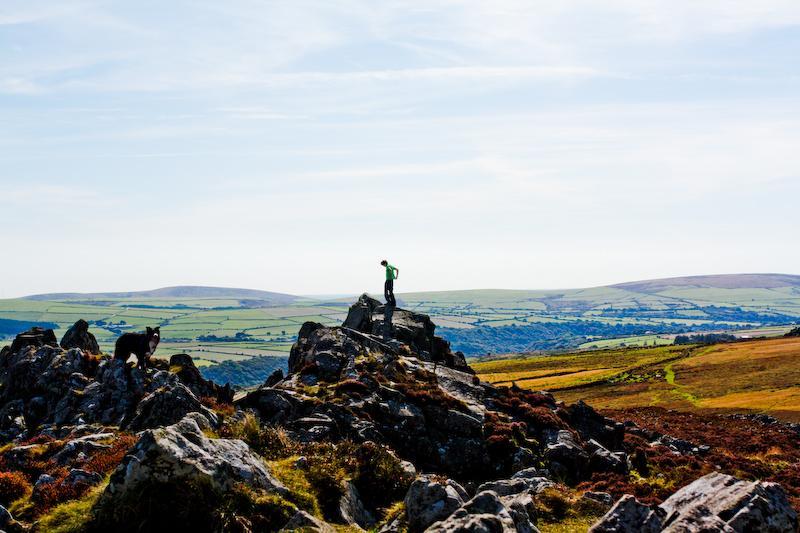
568, 525
264, 511
268, 441
301, 492
394, 511
223, 409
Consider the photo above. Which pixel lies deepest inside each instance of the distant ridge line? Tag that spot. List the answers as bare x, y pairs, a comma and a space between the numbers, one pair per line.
719, 281
716, 281
179, 291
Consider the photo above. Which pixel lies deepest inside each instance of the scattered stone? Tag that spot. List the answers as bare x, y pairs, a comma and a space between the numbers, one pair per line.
603, 498
486, 513
302, 521
630, 516
79, 476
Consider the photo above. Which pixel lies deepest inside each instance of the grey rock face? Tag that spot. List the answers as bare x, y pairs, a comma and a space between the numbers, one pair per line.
274, 378
414, 330
630, 516
86, 445
302, 521
352, 510
432, 498
603, 460
78, 476
183, 366
742, 505
36, 337
323, 351
592, 425
181, 456
601, 498
568, 460
715, 502
168, 405
486, 512
507, 487
79, 336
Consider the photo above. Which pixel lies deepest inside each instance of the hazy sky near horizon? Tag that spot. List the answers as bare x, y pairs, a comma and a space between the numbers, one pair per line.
289, 146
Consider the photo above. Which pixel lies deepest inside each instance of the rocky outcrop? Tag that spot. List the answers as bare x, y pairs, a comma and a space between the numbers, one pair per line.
79, 336
402, 386
367, 405
487, 512
43, 384
400, 326
430, 499
715, 502
183, 366
438, 504
167, 405
36, 337
169, 461
628, 515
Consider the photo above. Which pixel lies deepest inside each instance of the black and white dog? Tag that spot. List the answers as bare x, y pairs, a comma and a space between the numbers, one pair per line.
142, 345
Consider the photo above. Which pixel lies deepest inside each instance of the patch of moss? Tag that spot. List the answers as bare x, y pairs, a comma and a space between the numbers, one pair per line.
567, 525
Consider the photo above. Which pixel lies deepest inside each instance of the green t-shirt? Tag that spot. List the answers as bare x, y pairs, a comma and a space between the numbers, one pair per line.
390, 272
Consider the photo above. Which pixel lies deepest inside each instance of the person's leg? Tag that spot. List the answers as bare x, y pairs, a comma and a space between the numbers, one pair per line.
386, 294
391, 292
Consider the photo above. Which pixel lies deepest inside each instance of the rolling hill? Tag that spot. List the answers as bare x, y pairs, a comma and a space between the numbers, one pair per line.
180, 292
216, 324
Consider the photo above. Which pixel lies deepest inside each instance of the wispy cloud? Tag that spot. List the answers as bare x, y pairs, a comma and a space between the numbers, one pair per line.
543, 143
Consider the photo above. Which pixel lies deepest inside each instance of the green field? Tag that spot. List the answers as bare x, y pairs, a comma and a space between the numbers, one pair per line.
215, 325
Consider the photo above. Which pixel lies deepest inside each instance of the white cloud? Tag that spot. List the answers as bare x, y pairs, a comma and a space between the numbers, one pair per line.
541, 143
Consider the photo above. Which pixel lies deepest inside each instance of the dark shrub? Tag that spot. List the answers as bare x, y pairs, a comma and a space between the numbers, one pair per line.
13, 485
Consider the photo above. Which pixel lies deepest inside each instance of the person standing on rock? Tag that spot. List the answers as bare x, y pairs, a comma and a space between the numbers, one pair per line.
388, 287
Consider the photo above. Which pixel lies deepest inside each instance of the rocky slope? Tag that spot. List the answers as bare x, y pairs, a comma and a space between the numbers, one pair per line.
378, 425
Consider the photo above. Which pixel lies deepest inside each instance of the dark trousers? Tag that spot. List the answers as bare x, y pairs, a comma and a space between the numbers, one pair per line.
388, 293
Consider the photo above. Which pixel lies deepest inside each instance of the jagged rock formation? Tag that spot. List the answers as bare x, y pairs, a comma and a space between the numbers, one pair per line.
373, 413
411, 392
36, 337
43, 385
715, 502
79, 336
177, 458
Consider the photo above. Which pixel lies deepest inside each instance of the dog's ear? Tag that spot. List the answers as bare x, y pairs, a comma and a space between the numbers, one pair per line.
157, 329
149, 331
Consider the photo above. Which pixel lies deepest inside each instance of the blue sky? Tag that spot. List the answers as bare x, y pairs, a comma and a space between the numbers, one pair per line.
289, 146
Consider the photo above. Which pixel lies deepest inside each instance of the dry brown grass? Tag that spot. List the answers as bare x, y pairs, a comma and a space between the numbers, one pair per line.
754, 376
